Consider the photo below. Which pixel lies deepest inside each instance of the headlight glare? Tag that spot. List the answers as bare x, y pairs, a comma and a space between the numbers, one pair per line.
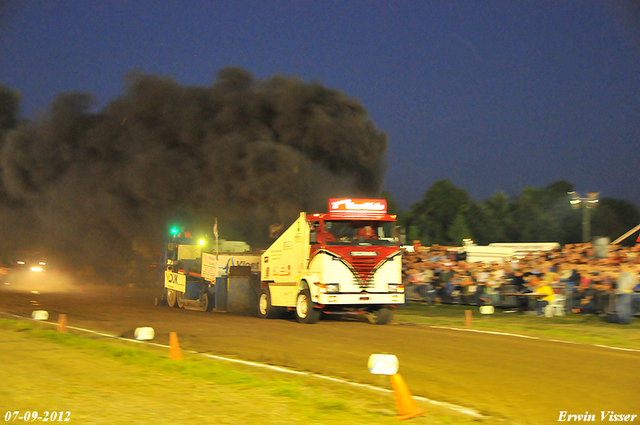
333, 288
394, 287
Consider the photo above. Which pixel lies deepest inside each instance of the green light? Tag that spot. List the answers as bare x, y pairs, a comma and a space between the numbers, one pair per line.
175, 230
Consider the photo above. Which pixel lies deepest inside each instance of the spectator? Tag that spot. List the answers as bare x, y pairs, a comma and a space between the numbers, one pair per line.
636, 299
426, 289
445, 283
603, 287
550, 277
543, 287
586, 302
468, 287
495, 280
589, 283
520, 283
627, 281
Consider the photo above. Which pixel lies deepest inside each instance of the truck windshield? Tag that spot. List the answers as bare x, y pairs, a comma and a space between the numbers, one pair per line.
378, 233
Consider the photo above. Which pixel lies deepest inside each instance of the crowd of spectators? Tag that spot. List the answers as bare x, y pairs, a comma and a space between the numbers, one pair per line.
573, 276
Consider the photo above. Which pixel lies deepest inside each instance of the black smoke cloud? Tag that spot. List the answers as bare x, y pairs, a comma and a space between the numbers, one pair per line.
97, 186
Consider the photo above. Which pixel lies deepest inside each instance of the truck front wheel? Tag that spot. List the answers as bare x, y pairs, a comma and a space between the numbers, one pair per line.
382, 316
265, 309
305, 312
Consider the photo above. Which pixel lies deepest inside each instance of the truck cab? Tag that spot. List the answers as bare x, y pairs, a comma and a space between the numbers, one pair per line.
345, 261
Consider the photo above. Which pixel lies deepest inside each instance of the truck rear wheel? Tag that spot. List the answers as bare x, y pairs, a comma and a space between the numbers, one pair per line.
382, 316
265, 309
172, 298
305, 311
207, 302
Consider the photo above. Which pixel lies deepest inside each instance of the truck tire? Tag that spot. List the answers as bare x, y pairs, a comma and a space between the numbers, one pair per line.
179, 302
305, 311
207, 302
382, 316
172, 298
265, 309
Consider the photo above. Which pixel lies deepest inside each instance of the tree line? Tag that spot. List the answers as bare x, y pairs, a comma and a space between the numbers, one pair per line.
447, 215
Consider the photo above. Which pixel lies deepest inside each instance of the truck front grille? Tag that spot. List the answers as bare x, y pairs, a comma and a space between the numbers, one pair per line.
364, 268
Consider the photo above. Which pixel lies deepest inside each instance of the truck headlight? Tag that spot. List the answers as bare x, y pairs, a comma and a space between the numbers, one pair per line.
331, 288
394, 287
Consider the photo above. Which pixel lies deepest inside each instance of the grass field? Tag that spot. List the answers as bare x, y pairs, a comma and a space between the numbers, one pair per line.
586, 329
108, 381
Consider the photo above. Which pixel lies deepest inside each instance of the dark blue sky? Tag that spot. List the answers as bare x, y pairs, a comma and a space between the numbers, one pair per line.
493, 95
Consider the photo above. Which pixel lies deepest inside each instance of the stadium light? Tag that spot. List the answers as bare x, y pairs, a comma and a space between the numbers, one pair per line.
591, 201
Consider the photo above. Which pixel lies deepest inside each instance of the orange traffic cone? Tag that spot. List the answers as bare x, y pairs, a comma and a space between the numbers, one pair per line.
407, 406
174, 347
62, 323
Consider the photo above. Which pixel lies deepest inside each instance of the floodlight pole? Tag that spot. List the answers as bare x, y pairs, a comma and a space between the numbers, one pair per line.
586, 204
586, 224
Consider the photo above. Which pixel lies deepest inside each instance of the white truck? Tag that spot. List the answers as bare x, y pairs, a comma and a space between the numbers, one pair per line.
345, 261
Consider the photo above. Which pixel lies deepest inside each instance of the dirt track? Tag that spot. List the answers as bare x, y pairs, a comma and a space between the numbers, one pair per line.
521, 380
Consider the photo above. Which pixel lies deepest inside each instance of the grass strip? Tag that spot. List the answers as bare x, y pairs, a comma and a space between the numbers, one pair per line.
105, 381
578, 328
